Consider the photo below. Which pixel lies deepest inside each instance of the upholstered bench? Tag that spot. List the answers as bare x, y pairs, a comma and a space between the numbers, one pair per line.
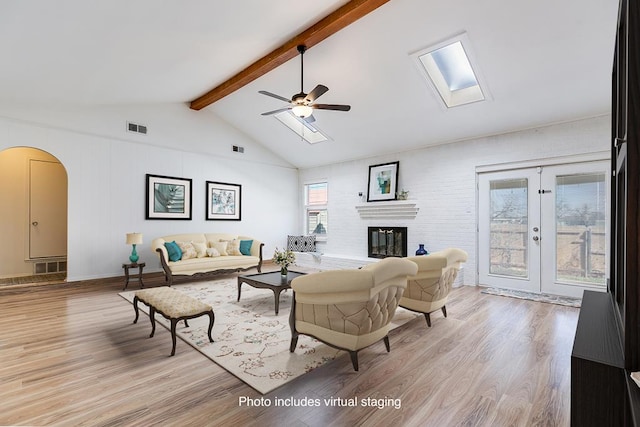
174, 306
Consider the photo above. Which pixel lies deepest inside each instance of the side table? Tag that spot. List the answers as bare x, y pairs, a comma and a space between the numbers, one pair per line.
127, 266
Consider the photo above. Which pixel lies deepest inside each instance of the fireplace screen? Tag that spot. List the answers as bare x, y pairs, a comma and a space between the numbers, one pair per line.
387, 241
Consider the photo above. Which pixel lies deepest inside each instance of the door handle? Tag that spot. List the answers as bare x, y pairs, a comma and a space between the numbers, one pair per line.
34, 223
536, 238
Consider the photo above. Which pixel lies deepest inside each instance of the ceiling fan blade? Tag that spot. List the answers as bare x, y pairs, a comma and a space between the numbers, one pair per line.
336, 107
273, 95
316, 93
310, 119
279, 110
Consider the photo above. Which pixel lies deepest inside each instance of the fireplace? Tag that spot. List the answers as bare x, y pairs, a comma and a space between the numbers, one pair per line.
387, 241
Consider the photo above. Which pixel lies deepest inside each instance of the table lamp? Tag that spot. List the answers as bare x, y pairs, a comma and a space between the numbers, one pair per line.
134, 239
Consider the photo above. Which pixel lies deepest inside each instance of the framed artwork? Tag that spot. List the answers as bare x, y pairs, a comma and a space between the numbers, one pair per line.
383, 182
224, 201
168, 197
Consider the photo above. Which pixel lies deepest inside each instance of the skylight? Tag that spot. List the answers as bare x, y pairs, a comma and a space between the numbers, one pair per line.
454, 66
448, 70
300, 126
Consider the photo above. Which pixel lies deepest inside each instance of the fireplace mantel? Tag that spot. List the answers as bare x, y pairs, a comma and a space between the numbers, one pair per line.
393, 209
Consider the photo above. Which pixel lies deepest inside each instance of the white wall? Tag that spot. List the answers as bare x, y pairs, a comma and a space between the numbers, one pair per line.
106, 169
443, 181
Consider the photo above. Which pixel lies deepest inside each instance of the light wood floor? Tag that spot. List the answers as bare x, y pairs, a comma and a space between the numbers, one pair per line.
70, 355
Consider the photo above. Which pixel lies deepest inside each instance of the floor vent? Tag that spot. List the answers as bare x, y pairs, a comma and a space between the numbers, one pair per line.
134, 127
46, 267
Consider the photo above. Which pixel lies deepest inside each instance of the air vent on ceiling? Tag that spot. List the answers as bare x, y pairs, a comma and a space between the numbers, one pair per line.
238, 149
137, 128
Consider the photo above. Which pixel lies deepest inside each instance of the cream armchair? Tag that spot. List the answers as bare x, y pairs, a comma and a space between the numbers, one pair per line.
349, 309
428, 290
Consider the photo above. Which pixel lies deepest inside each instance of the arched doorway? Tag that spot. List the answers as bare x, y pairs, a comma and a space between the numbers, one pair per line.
33, 184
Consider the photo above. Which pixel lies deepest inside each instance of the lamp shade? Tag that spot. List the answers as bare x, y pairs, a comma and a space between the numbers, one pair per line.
134, 238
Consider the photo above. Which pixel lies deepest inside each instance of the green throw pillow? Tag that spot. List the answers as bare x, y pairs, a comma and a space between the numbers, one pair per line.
175, 254
245, 247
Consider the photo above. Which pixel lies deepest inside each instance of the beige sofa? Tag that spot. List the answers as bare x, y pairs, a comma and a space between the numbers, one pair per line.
203, 263
349, 309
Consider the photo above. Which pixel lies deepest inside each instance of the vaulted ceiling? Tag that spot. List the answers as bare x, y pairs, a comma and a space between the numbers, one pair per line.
543, 62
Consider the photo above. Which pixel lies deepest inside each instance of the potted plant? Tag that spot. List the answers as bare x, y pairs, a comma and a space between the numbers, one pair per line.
284, 259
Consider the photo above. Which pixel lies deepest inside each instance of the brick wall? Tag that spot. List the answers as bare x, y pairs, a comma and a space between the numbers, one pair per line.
443, 181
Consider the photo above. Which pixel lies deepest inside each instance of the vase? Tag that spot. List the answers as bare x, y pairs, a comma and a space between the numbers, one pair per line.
283, 271
134, 255
421, 250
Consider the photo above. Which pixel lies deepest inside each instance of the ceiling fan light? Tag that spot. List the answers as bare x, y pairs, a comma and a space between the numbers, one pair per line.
303, 111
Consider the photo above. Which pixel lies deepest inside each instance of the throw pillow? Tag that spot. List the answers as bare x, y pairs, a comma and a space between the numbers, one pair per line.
245, 247
233, 247
212, 252
221, 247
188, 251
201, 249
175, 254
301, 243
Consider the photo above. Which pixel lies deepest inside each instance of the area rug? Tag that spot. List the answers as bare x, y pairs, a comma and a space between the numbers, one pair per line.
250, 340
548, 298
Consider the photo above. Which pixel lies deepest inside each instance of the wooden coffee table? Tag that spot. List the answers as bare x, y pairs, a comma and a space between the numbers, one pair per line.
274, 281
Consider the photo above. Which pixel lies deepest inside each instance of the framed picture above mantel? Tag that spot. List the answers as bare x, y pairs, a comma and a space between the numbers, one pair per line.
224, 201
168, 197
383, 182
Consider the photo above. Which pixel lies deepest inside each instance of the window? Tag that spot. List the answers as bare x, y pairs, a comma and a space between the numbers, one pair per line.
448, 69
303, 127
315, 201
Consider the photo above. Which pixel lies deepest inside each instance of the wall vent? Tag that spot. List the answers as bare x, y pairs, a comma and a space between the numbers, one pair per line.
137, 128
238, 149
49, 267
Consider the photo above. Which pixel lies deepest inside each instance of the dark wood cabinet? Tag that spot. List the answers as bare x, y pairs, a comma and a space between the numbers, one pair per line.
598, 385
607, 343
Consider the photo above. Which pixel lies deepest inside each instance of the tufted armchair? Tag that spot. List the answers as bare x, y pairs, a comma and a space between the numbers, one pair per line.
349, 309
428, 290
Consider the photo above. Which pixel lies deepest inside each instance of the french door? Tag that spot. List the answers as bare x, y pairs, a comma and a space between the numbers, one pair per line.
544, 229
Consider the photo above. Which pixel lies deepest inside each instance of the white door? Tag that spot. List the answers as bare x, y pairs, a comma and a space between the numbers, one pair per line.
575, 231
509, 224
544, 229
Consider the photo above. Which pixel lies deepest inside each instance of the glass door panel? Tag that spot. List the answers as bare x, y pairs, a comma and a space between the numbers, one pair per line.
508, 227
580, 228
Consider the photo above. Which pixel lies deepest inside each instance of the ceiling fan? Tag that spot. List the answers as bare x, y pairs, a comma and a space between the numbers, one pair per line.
302, 104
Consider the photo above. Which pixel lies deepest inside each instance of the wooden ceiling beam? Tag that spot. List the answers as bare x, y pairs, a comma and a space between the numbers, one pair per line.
329, 25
